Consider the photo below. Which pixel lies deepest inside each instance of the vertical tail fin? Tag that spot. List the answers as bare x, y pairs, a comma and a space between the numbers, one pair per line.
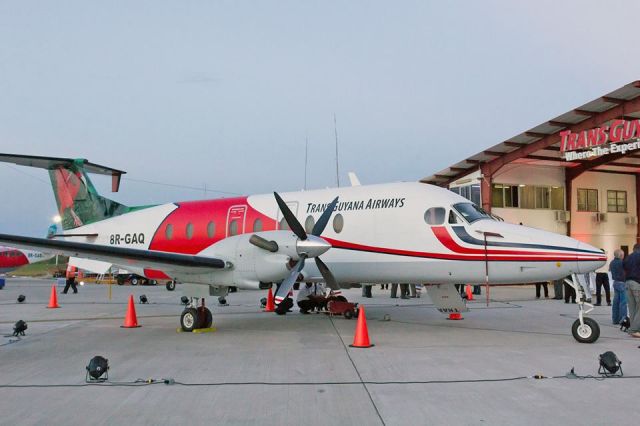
78, 201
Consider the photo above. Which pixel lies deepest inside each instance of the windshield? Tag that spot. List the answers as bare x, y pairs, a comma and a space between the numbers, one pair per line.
471, 212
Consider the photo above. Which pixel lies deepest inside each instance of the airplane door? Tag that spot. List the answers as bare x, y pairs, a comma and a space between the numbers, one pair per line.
235, 220
293, 206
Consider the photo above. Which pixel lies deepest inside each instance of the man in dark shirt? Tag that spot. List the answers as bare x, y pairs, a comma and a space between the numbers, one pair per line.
632, 272
616, 267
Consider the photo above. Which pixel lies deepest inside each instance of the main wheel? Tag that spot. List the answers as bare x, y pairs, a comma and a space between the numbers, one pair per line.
189, 319
153, 282
120, 280
348, 314
171, 285
205, 319
587, 333
134, 281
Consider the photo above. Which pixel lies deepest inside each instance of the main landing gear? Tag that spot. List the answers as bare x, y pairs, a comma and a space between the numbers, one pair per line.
195, 317
584, 329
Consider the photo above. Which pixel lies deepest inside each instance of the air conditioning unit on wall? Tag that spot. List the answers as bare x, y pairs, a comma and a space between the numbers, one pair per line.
600, 217
563, 216
631, 220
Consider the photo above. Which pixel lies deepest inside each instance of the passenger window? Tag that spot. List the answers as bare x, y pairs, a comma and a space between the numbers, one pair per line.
257, 225
435, 216
189, 230
338, 223
168, 231
233, 227
283, 224
211, 229
309, 223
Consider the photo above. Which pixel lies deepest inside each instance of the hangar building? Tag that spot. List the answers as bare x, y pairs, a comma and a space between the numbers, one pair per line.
577, 174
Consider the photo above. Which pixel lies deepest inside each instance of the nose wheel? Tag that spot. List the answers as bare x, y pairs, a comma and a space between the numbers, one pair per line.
193, 318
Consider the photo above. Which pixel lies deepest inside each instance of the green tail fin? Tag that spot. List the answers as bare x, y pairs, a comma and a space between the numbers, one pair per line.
78, 201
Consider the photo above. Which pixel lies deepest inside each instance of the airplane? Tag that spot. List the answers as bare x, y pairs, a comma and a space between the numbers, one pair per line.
12, 258
406, 232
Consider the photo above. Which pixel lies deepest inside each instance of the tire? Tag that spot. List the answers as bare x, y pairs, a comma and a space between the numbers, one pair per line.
348, 314
588, 333
205, 319
171, 285
120, 280
134, 281
189, 319
153, 282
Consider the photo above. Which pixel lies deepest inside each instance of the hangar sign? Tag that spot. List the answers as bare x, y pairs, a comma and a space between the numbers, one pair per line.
615, 138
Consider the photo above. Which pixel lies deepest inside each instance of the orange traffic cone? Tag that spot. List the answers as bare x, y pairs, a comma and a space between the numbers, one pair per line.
469, 292
53, 300
130, 321
455, 316
271, 305
361, 338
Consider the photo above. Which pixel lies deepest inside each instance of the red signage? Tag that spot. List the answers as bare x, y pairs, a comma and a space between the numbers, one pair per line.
618, 131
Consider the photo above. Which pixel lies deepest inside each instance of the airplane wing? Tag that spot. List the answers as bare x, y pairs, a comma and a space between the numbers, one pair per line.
124, 257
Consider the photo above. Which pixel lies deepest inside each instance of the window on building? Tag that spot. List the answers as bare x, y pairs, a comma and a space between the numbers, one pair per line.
527, 196
617, 201
587, 200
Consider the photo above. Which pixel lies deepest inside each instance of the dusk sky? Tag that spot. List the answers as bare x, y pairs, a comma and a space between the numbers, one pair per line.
224, 93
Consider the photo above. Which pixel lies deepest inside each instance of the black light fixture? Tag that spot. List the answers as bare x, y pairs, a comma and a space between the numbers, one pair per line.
222, 301
97, 370
610, 365
184, 300
19, 328
21, 298
263, 302
143, 299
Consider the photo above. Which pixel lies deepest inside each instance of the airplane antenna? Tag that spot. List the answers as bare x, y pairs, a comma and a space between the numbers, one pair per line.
335, 130
306, 156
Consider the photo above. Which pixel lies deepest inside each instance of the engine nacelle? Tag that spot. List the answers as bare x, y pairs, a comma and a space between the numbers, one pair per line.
251, 264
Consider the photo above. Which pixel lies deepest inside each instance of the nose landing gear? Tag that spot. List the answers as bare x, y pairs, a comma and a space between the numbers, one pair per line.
196, 317
584, 329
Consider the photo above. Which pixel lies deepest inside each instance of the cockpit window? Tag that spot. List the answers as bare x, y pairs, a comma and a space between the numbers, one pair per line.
435, 216
471, 212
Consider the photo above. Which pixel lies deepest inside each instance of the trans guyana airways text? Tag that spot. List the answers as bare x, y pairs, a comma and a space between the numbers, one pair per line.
371, 204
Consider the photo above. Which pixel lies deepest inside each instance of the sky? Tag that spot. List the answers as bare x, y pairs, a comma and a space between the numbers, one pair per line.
224, 94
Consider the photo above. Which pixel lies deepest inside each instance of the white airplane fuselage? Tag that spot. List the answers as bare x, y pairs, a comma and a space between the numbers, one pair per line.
387, 235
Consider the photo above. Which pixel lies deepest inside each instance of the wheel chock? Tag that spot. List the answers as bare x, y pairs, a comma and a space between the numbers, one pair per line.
197, 330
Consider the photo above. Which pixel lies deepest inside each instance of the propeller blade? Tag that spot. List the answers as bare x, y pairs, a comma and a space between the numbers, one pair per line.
293, 223
318, 228
264, 244
288, 282
327, 275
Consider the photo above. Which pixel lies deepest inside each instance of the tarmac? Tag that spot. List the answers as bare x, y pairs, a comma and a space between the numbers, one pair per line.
260, 368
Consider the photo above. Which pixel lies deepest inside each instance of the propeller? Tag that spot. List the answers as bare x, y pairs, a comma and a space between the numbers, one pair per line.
309, 245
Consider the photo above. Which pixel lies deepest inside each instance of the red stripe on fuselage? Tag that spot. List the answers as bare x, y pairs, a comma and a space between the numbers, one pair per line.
450, 256
442, 234
199, 214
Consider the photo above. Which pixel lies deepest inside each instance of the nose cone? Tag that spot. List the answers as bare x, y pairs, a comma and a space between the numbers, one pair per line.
597, 255
312, 247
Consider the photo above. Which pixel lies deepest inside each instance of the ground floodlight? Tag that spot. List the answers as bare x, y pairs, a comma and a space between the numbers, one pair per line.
222, 301
143, 299
263, 302
21, 298
98, 369
610, 365
184, 300
19, 328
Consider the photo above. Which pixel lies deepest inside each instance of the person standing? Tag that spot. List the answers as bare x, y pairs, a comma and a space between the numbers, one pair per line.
557, 289
602, 280
616, 267
569, 292
71, 280
632, 274
544, 285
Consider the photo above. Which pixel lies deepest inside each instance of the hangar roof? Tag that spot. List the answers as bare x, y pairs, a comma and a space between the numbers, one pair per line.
540, 145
